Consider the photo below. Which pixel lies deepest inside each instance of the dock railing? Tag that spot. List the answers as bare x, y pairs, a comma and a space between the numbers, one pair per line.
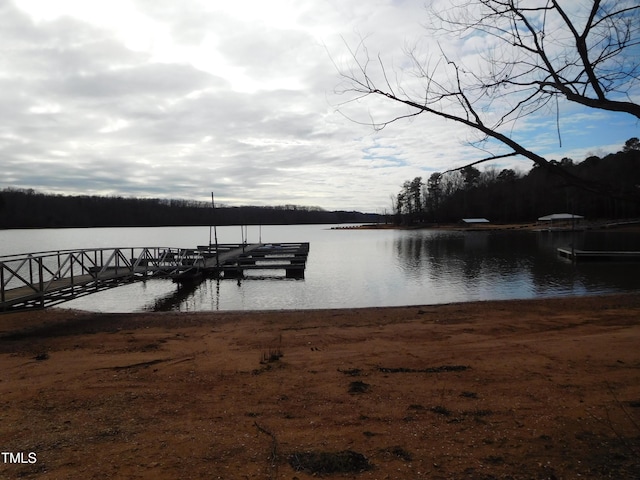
46, 278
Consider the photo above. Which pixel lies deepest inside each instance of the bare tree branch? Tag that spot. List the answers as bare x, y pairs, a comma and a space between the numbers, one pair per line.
477, 162
542, 54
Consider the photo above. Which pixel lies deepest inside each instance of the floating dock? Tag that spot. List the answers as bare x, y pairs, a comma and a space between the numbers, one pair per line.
232, 260
598, 255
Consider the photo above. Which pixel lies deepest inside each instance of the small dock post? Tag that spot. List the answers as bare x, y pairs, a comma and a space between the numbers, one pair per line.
215, 231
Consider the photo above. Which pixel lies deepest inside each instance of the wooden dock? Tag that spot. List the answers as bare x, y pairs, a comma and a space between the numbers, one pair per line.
598, 255
38, 280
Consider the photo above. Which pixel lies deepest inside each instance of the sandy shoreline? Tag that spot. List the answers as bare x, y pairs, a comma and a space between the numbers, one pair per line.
507, 389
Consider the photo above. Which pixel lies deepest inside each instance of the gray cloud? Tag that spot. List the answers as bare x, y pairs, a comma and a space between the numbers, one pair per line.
240, 104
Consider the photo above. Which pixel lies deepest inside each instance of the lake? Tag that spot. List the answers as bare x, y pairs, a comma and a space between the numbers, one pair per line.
356, 268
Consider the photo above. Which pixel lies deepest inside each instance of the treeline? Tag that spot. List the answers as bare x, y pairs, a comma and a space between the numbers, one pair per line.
26, 208
511, 196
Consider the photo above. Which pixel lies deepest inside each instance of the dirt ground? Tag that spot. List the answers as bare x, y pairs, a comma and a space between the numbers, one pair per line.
541, 389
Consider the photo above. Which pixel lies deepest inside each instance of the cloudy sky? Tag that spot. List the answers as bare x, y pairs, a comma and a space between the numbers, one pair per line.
176, 99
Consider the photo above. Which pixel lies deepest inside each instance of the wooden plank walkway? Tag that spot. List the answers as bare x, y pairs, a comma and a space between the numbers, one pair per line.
61, 290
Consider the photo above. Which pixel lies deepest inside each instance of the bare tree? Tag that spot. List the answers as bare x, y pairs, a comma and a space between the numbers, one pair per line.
539, 54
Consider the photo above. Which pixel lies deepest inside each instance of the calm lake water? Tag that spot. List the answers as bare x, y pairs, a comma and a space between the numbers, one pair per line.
356, 268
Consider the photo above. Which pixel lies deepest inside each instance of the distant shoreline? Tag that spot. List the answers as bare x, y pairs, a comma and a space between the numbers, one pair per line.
612, 224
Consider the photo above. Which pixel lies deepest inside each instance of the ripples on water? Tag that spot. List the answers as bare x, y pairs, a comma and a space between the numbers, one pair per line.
359, 268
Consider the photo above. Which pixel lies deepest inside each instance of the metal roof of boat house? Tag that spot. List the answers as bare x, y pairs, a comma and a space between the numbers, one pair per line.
560, 216
475, 220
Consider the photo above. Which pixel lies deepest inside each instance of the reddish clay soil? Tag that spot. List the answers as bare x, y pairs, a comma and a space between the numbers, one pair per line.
542, 389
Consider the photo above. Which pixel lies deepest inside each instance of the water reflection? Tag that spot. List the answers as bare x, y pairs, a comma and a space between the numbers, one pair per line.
513, 264
172, 301
205, 293
461, 257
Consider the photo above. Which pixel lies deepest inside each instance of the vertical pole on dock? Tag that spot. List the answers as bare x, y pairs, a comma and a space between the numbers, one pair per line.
215, 232
573, 238
2, 282
41, 282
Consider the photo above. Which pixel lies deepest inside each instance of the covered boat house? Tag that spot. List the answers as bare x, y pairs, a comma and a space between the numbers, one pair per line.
561, 219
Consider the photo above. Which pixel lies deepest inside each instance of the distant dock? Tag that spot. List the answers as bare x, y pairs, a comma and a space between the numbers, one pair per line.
598, 255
